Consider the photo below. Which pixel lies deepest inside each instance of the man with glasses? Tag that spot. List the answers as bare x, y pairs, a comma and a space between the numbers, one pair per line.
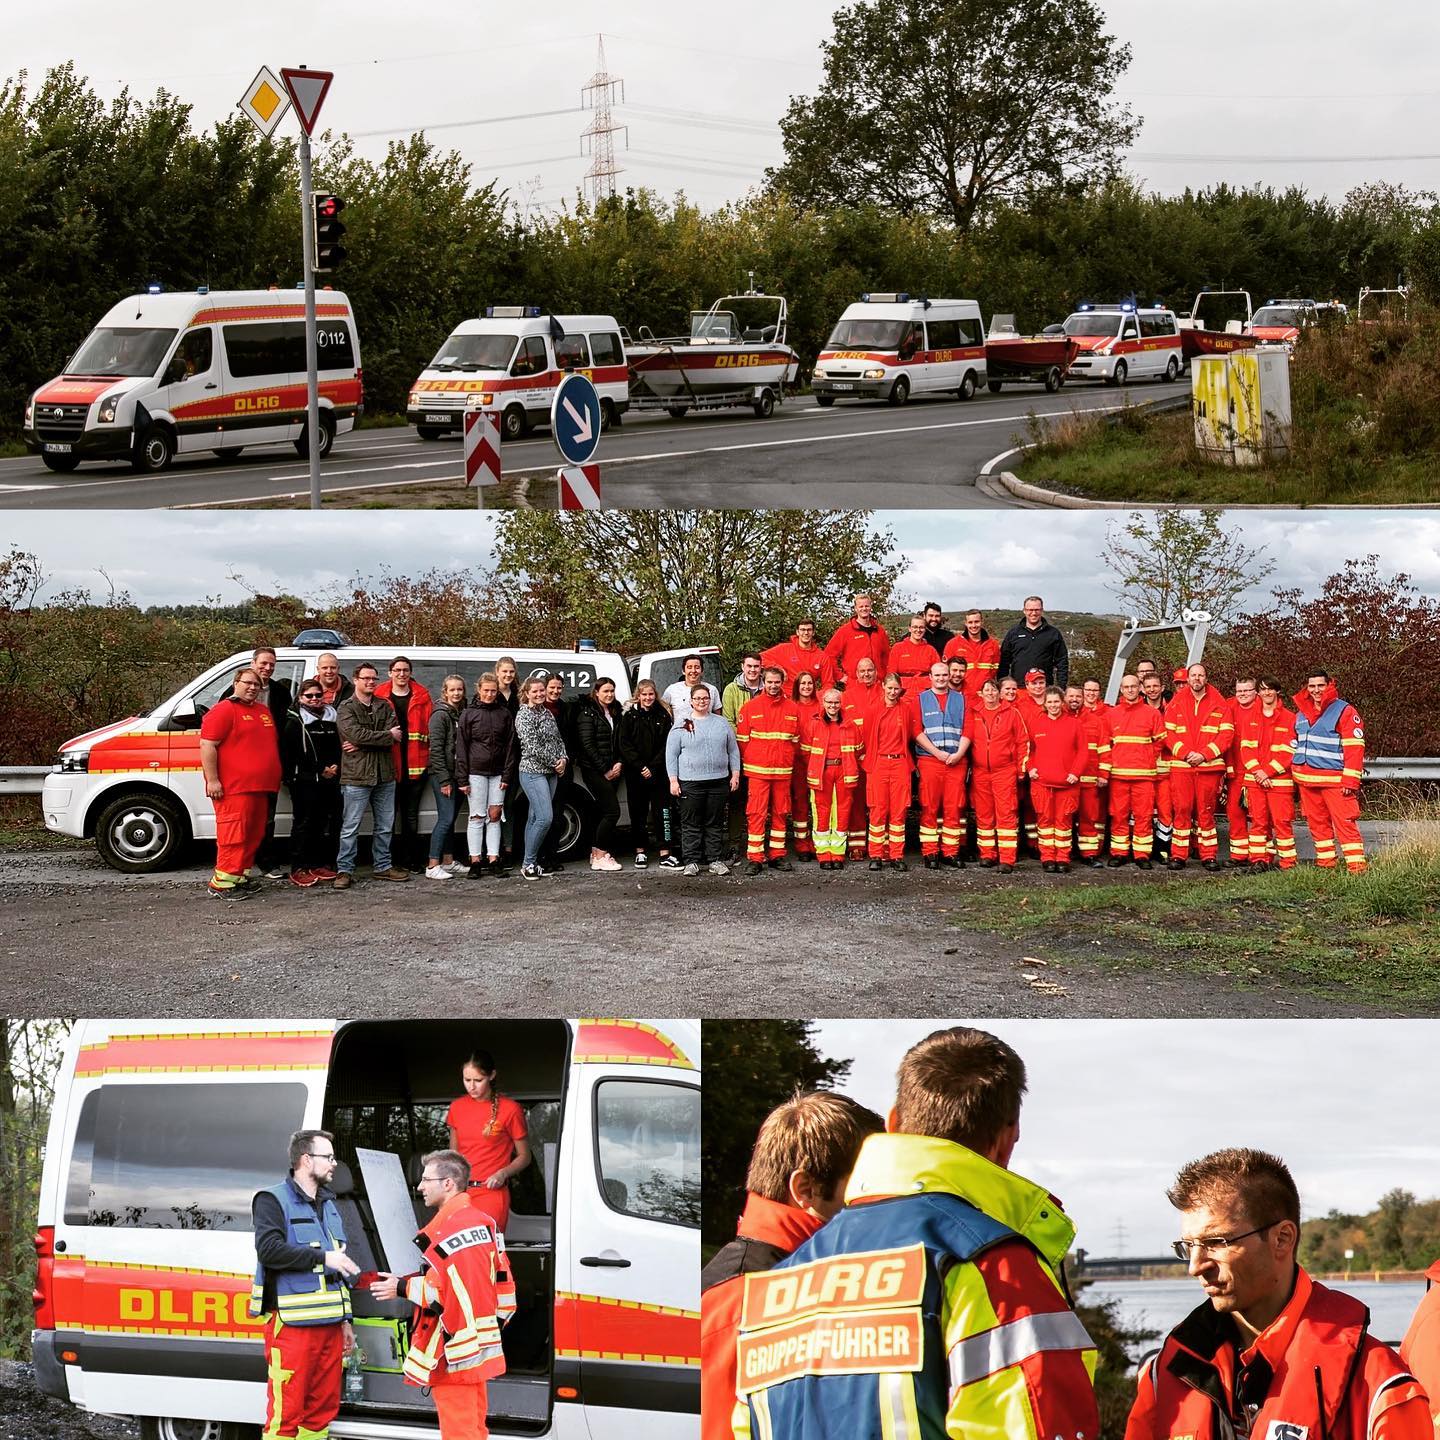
301, 1288
1271, 1353
240, 758
461, 1298
369, 732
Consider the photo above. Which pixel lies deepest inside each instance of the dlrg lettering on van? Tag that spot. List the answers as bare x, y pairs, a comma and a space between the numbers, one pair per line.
168, 374
163, 1130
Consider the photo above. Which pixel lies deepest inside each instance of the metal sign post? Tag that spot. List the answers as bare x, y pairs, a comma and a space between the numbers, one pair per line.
307, 90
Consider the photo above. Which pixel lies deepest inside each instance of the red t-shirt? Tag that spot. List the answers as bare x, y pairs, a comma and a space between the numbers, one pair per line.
486, 1132
249, 750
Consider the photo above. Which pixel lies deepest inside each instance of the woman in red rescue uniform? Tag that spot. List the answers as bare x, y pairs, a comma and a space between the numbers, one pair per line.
806, 695
240, 756
1059, 749
888, 768
999, 749
488, 1129
1264, 749
830, 747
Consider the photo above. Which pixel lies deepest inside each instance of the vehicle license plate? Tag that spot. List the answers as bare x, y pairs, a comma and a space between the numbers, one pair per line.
57, 449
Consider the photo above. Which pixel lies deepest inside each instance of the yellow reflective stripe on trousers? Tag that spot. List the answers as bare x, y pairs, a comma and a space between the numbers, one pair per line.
899, 1419
992, 1350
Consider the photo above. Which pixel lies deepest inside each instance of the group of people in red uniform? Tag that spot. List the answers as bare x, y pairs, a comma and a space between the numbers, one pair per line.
840, 739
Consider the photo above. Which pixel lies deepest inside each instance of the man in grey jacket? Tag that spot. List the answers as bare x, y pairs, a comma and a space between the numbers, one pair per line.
368, 729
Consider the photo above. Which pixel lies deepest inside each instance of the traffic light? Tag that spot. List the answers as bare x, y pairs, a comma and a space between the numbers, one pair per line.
329, 227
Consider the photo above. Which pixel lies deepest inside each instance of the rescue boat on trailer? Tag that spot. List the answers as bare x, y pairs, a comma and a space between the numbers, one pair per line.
735, 354
1198, 336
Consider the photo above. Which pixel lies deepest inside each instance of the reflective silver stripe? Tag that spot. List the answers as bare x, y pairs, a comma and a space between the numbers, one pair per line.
980, 1355
1375, 1399
892, 1402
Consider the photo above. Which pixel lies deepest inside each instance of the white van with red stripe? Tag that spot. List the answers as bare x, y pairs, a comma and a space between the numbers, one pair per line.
511, 362
162, 1131
136, 788
1125, 342
167, 374
891, 347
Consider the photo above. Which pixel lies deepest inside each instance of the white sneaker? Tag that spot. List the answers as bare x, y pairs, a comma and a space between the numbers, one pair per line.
719, 867
437, 872
602, 861
459, 867
692, 869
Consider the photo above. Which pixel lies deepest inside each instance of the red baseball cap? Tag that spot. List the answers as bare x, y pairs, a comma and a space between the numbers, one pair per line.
1181, 674
1034, 675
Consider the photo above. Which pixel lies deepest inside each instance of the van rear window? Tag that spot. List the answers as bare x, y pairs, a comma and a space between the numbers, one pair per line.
179, 1157
647, 1149
607, 350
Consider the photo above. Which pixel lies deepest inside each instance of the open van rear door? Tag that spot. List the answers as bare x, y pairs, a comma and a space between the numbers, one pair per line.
627, 1318
664, 667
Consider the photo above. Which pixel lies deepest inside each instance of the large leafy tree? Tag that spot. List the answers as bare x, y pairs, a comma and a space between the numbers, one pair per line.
750, 1067
948, 107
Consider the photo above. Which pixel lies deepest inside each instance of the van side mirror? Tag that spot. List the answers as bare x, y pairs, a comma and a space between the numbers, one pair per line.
185, 716
174, 371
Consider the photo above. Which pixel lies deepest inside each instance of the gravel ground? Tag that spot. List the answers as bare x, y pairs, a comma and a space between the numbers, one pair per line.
26, 1414
651, 943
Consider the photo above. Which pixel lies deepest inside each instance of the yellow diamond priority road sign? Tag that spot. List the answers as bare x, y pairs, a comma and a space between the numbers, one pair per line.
266, 101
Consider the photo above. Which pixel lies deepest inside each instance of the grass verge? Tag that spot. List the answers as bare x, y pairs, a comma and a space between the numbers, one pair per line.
1373, 936
22, 827
1148, 458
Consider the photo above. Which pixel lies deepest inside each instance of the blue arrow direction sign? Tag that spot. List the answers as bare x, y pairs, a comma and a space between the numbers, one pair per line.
575, 419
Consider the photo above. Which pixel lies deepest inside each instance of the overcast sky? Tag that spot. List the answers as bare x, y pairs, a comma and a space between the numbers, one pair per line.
1115, 1107
959, 558
1317, 92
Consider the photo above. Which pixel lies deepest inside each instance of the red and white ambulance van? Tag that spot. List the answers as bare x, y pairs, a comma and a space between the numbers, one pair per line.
163, 1130
176, 373
1125, 342
892, 347
512, 360
136, 787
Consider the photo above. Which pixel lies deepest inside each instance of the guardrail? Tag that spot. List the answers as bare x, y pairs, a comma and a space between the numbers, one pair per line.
30, 779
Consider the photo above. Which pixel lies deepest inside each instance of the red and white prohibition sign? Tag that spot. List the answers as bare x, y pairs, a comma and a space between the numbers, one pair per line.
482, 447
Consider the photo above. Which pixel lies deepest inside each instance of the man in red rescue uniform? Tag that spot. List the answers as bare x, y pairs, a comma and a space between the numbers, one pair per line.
801, 653
1198, 730
1240, 705
1030, 705
830, 746
912, 657
1092, 809
302, 1289
999, 751
1329, 762
240, 758
413, 707
858, 637
1265, 738
802, 1160
1271, 1353
888, 767
978, 650
1137, 742
462, 1296
862, 695
769, 734
1152, 689
937, 733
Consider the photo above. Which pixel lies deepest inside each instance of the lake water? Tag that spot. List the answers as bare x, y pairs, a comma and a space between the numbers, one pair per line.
1160, 1305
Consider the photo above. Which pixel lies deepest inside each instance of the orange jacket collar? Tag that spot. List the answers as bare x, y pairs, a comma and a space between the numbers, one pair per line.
783, 1226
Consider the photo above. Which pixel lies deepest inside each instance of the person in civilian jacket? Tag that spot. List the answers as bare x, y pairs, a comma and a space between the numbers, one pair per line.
644, 727
310, 750
597, 740
1035, 644
487, 752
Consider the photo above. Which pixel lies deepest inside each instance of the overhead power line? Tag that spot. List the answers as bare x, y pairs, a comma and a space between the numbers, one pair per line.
462, 124
1181, 159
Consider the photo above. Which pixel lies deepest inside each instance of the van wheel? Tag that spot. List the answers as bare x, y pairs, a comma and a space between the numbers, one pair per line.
154, 451
141, 832
164, 1428
824, 401
429, 432
764, 407
967, 386
572, 822
230, 452
1121, 371
1172, 372
994, 386
607, 415
513, 424
899, 391
327, 437
63, 464
1054, 379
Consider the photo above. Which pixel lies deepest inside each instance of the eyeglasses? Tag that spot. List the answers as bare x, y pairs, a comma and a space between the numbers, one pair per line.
431, 1179
1215, 1244
311, 695
322, 1154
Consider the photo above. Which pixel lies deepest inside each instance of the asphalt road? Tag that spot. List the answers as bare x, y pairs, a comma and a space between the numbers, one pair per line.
927, 455
654, 942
